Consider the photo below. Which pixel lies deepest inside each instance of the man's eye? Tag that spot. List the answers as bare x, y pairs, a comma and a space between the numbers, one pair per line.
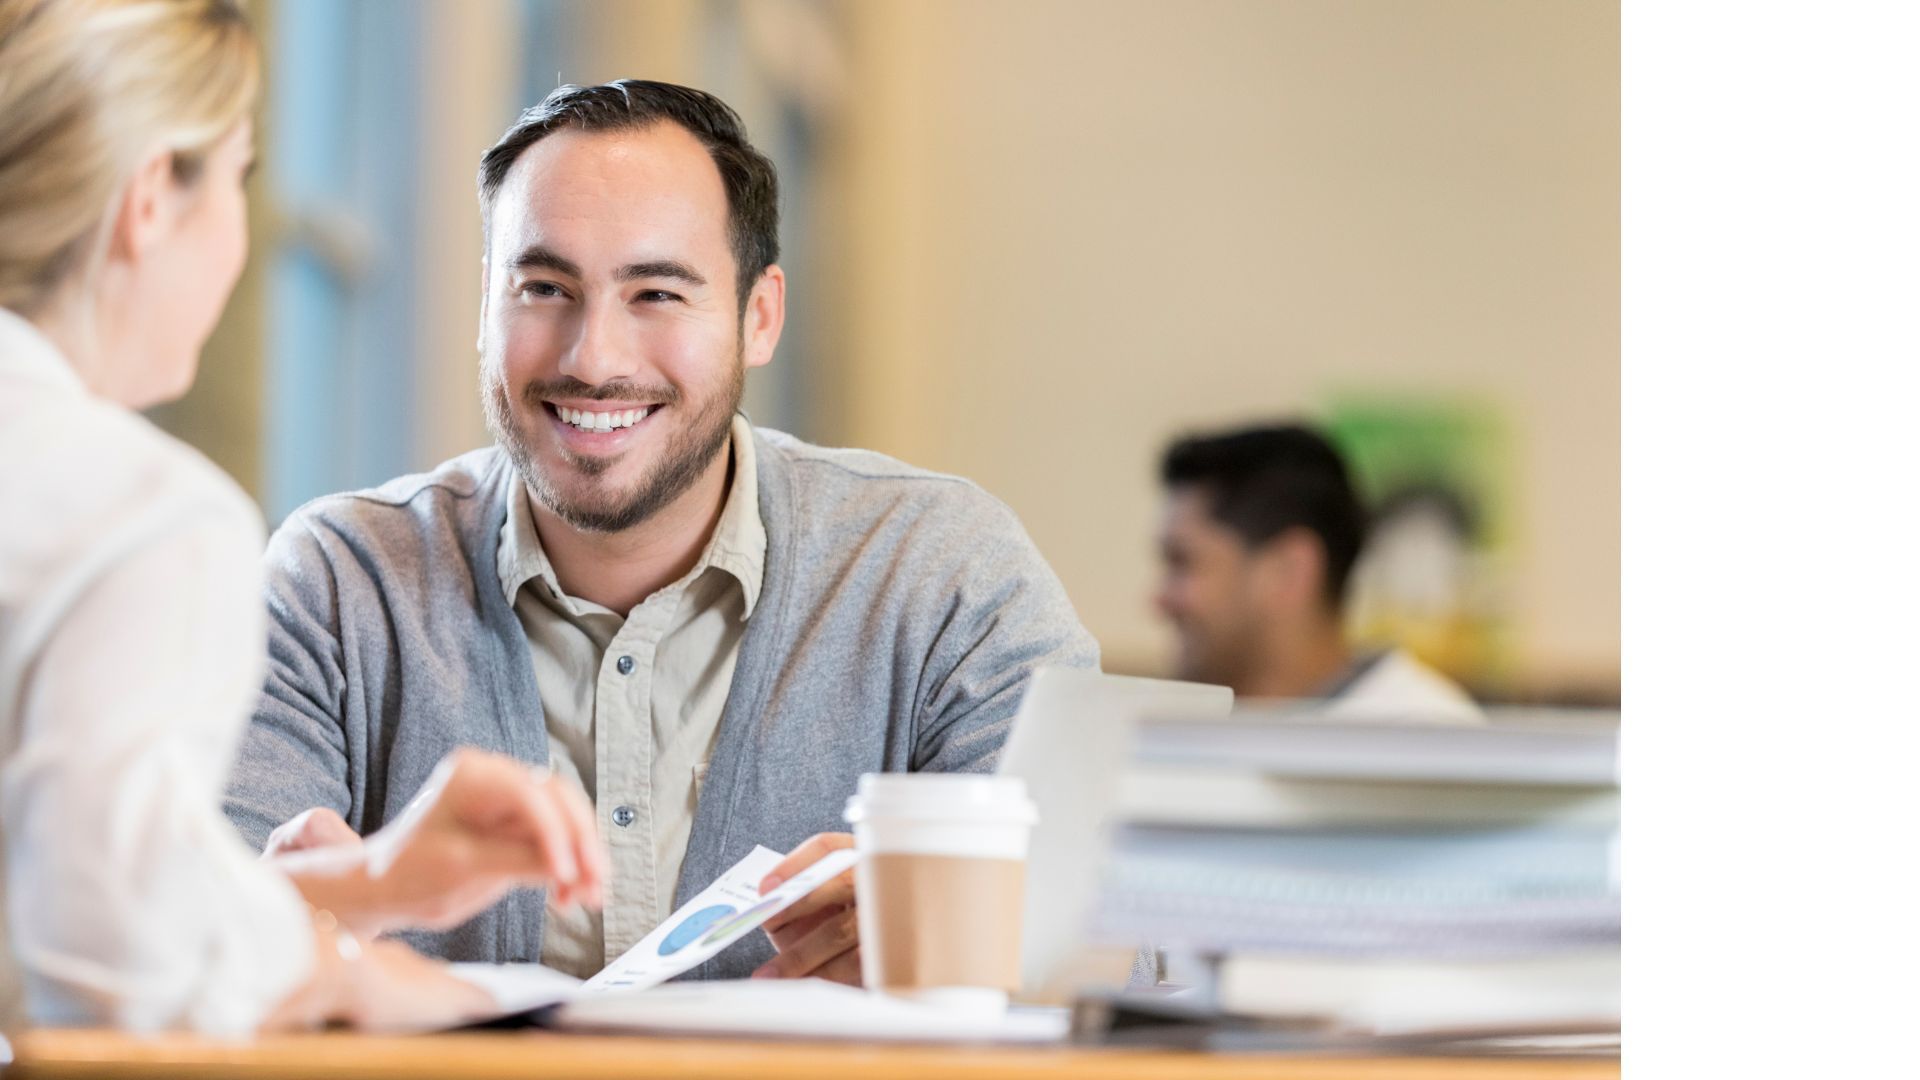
545, 289
657, 296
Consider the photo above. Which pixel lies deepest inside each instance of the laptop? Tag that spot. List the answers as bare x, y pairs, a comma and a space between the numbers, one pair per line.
1072, 740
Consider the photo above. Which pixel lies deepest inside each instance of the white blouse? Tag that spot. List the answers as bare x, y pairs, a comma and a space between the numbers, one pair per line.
132, 645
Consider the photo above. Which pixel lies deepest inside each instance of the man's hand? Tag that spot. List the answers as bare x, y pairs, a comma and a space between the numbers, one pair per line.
482, 825
819, 936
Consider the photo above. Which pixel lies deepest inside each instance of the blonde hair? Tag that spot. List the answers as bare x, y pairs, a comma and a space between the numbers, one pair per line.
87, 88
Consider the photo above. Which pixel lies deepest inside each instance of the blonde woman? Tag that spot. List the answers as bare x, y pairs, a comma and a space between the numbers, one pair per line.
131, 625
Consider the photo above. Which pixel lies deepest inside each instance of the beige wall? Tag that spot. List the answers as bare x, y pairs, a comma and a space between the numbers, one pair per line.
1065, 231
468, 83
1055, 234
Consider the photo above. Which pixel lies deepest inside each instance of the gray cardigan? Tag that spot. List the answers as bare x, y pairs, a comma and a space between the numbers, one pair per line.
901, 613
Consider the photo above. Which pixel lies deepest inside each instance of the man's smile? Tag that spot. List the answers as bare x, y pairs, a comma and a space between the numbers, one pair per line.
599, 426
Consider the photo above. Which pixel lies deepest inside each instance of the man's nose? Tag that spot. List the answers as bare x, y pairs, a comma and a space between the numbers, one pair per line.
602, 352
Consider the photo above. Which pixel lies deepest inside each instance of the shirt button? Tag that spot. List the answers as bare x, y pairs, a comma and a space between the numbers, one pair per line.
625, 665
623, 816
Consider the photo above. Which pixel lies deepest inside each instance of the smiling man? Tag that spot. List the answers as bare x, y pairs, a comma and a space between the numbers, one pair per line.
715, 628
1260, 534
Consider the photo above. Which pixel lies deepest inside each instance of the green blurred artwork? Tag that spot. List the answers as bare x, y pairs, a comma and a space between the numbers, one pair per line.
1437, 478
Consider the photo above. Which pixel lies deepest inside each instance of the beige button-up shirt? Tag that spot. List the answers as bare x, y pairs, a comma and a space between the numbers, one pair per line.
633, 704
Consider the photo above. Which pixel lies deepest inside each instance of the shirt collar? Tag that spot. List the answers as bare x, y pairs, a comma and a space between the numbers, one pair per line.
27, 353
1356, 672
738, 545
521, 558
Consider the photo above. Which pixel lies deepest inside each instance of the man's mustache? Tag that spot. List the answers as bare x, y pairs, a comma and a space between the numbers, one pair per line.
619, 390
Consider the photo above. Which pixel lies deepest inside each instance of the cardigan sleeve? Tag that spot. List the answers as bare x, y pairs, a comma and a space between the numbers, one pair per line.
1005, 616
294, 755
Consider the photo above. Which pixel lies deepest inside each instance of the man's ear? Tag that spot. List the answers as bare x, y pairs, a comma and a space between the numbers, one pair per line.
146, 210
766, 314
1289, 571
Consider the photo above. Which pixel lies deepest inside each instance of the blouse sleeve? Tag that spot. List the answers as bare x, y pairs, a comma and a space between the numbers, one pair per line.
133, 903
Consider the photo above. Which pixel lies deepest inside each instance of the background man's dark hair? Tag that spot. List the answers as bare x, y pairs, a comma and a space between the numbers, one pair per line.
753, 192
1262, 481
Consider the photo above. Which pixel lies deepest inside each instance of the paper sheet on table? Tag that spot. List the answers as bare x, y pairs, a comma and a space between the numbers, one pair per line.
518, 988
804, 1009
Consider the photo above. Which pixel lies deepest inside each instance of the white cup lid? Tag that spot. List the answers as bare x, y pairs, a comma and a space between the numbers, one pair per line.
942, 797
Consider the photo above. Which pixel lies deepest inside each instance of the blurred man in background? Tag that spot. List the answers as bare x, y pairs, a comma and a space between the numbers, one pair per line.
1260, 534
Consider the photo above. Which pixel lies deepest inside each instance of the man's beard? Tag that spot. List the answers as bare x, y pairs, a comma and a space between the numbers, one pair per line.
687, 454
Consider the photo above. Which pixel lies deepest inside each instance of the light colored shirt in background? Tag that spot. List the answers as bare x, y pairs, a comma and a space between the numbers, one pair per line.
132, 646
633, 704
1395, 686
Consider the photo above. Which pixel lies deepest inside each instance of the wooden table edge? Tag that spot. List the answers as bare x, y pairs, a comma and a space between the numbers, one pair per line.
96, 1055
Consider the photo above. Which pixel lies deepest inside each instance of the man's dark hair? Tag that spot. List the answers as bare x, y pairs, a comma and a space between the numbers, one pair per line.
1263, 481
753, 191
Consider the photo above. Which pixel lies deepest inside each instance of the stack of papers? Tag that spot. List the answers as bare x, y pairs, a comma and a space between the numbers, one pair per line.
1377, 878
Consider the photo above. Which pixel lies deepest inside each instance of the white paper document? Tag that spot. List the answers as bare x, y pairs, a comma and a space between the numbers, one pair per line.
626, 995
518, 988
722, 914
805, 1009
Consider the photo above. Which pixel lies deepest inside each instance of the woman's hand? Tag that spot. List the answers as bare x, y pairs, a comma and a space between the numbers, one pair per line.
398, 990
482, 824
378, 986
317, 828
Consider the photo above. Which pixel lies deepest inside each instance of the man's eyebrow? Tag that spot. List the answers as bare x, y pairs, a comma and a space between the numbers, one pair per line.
662, 268
542, 258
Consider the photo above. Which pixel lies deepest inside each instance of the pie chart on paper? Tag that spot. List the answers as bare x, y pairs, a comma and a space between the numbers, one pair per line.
692, 927
749, 918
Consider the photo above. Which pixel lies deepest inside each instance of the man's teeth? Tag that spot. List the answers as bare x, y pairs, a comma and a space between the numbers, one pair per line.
602, 421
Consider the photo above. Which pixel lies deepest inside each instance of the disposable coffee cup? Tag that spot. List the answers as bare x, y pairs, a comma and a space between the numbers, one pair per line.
940, 884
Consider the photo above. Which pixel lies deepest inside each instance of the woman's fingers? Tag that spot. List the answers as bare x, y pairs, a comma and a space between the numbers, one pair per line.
316, 828
484, 824
517, 808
